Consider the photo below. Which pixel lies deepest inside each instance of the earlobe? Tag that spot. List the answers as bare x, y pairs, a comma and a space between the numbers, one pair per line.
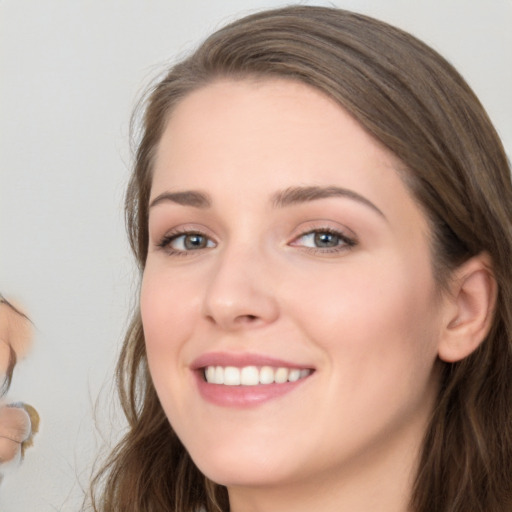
469, 309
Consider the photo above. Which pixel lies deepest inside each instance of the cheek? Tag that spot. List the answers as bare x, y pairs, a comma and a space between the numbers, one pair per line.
166, 311
166, 307
372, 315
378, 334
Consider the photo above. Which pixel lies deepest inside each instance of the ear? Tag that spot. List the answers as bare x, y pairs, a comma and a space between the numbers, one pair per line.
469, 308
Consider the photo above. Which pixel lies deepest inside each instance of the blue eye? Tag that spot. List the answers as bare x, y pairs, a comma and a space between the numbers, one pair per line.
186, 242
321, 239
324, 239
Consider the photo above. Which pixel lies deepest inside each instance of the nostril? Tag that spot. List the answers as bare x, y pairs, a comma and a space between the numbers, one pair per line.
247, 318
237, 322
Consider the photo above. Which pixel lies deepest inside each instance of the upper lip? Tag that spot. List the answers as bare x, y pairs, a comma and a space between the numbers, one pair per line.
242, 359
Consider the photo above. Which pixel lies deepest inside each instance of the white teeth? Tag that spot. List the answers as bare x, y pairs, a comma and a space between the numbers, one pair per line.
294, 375
252, 375
281, 375
266, 375
231, 376
219, 375
210, 374
249, 376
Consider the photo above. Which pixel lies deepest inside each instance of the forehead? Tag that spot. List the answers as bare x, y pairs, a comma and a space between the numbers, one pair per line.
254, 126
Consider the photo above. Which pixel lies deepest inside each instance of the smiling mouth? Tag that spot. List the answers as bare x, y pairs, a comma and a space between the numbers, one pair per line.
253, 375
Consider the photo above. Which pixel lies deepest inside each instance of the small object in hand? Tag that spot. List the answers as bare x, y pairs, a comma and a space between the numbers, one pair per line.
18, 424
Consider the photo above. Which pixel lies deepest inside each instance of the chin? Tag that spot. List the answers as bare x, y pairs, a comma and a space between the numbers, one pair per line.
244, 468
243, 477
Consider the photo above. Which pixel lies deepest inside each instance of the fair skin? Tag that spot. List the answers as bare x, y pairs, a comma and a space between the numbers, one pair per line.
334, 279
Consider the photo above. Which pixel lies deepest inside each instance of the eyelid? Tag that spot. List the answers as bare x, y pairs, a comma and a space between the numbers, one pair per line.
347, 236
163, 242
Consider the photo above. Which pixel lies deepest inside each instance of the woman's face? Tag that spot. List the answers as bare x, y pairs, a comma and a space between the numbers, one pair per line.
285, 247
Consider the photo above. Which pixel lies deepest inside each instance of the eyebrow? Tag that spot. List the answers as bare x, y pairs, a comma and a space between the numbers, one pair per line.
295, 195
281, 199
185, 198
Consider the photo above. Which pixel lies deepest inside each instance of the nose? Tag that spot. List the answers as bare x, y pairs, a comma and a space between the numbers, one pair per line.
239, 294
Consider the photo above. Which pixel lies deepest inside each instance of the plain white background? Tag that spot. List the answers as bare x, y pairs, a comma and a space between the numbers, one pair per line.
70, 73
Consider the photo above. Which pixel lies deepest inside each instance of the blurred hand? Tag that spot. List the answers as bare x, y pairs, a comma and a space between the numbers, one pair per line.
18, 421
15, 428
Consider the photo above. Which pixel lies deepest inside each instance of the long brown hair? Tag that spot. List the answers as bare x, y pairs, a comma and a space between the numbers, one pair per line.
417, 105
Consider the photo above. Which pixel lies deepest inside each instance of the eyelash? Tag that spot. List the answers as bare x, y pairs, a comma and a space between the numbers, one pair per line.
346, 243
167, 240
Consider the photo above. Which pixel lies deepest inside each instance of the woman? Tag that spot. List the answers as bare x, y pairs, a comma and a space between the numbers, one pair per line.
321, 212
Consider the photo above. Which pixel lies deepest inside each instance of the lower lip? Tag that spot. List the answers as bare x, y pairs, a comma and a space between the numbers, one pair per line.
243, 396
